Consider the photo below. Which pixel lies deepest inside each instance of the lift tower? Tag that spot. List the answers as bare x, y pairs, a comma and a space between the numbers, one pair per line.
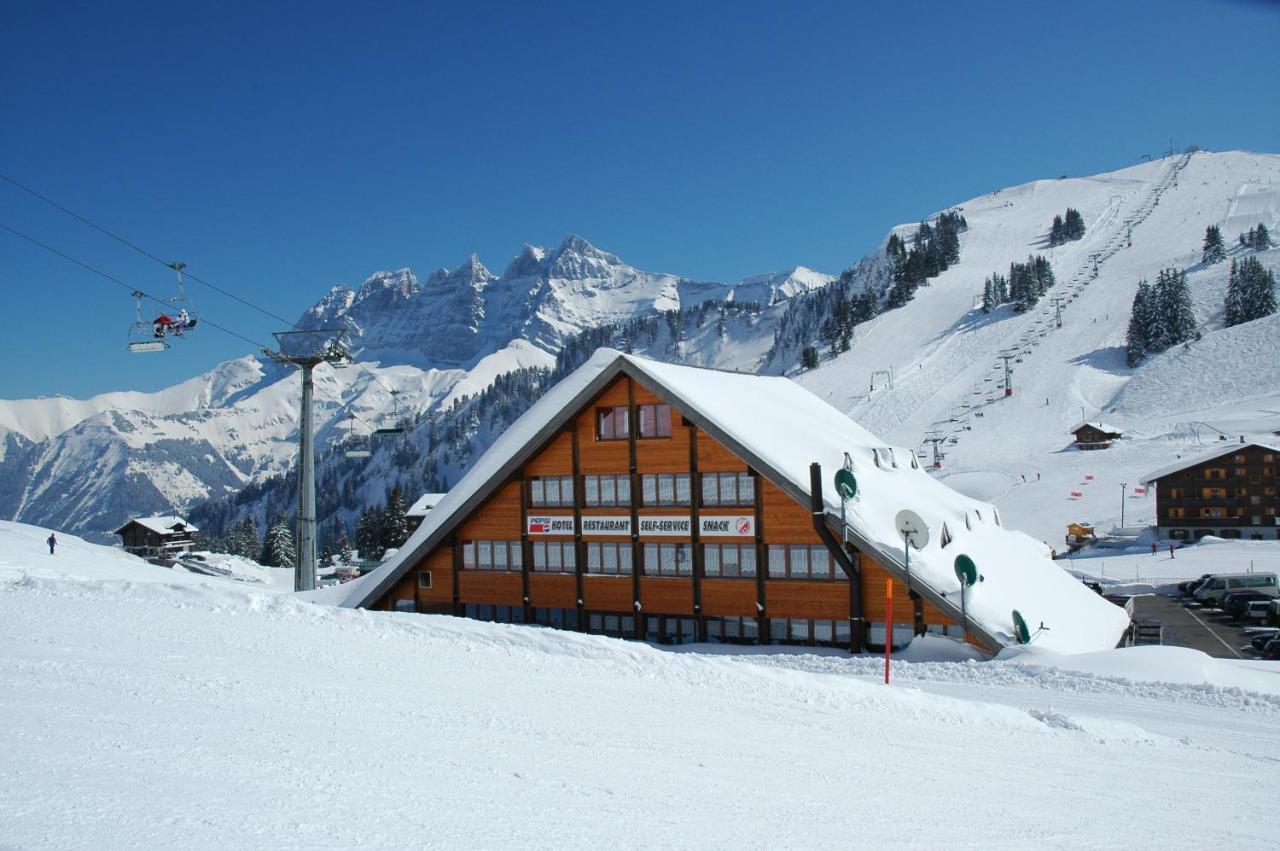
307, 350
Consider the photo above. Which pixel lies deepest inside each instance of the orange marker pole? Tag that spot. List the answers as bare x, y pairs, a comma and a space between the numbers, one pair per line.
888, 626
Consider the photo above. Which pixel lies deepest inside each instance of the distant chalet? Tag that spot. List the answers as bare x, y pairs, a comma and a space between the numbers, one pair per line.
157, 537
1096, 435
1228, 492
675, 504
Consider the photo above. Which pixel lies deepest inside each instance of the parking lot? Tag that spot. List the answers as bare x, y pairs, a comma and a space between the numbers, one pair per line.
1207, 628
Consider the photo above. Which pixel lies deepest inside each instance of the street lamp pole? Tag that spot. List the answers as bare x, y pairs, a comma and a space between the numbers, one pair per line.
1123, 487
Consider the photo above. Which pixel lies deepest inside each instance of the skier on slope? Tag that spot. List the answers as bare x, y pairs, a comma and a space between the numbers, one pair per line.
52, 541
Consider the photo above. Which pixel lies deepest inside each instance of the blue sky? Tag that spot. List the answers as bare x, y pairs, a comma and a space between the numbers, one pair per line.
279, 148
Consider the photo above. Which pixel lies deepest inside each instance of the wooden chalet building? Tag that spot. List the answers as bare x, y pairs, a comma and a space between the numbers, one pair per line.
157, 537
676, 504
1229, 492
421, 508
1096, 435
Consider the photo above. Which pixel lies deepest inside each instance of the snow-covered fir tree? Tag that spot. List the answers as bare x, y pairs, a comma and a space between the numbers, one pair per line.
1214, 251
1251, 292
278, 549
1140, 321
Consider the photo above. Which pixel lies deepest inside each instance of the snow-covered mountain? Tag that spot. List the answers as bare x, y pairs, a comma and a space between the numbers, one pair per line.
86, 465
469, 350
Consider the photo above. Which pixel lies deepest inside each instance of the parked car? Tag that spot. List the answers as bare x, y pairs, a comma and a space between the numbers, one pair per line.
1273, 613
1261, 640
1188, 587
1211, 592
1257, 610
1271, 650
1237, 603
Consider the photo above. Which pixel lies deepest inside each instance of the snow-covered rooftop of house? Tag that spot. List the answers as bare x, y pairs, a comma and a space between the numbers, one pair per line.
1216, 452
1099, 425
425, 503
781, 428
162, 525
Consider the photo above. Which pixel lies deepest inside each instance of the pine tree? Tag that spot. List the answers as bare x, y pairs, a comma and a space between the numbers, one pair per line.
1251, 292
809, 357
278, 550
988, 298
395, 521
1073, 225
246, 542
1176, 321
1261, 238
1056, 232
1136, 347
1214, 251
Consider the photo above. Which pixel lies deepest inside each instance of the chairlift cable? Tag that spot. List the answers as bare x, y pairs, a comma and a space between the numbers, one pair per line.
171, 264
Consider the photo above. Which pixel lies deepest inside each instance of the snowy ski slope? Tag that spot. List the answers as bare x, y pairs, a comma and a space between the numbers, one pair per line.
945, 355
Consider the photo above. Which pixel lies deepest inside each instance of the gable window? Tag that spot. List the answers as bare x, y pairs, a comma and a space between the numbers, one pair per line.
607, 491
424, 579
613, 423
728, 489
665, 488
655, 420
551, 490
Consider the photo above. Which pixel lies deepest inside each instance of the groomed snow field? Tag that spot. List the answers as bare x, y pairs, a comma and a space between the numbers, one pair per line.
141, 707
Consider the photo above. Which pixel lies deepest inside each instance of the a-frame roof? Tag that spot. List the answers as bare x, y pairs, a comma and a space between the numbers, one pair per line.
779, 428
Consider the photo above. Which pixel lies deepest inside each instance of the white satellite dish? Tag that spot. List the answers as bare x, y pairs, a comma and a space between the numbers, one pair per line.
912, 528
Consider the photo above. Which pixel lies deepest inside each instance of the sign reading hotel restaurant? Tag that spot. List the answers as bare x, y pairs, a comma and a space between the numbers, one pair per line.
666, 526
598, 524
549, 524
727, 526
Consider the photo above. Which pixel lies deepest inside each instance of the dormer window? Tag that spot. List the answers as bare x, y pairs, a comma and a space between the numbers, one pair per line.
655, 420
613, 423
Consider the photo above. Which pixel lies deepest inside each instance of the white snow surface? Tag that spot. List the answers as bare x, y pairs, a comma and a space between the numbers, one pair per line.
179, 713
788, 428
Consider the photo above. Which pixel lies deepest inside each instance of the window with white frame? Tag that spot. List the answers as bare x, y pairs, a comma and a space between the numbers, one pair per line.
728, 489
732, 561
668, 559
611, 491
802, 561
606, 559
665, 489
491, 555
554, 557
551, 491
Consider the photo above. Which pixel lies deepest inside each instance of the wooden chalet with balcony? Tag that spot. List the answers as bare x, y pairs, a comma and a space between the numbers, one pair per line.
676, 504
1229, 492
157, 537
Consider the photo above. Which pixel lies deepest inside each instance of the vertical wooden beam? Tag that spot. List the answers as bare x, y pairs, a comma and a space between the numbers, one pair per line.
762, 562
633, 425
695, 509
526, 546
579, 548
456, 545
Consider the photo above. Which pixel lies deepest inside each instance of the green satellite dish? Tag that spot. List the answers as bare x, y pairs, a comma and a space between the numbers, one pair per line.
1020, 628
846, 484
966, 570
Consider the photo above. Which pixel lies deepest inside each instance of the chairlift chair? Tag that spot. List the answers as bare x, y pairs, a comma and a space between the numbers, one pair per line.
355, 447
389, 424
142, 335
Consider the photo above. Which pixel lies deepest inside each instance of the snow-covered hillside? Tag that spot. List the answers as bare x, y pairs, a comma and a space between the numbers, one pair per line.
143, 713
87, 465
944, 353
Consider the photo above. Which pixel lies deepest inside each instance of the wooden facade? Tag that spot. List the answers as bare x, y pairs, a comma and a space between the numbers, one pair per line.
149, 539
703, 547
1231, 495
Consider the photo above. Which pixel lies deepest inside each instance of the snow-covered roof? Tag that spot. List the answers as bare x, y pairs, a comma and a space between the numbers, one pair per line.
1217, 452
425, 503
160, 525
780, 428
1099, 425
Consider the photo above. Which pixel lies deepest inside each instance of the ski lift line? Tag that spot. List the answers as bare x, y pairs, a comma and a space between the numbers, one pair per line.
130, 287
167, 263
